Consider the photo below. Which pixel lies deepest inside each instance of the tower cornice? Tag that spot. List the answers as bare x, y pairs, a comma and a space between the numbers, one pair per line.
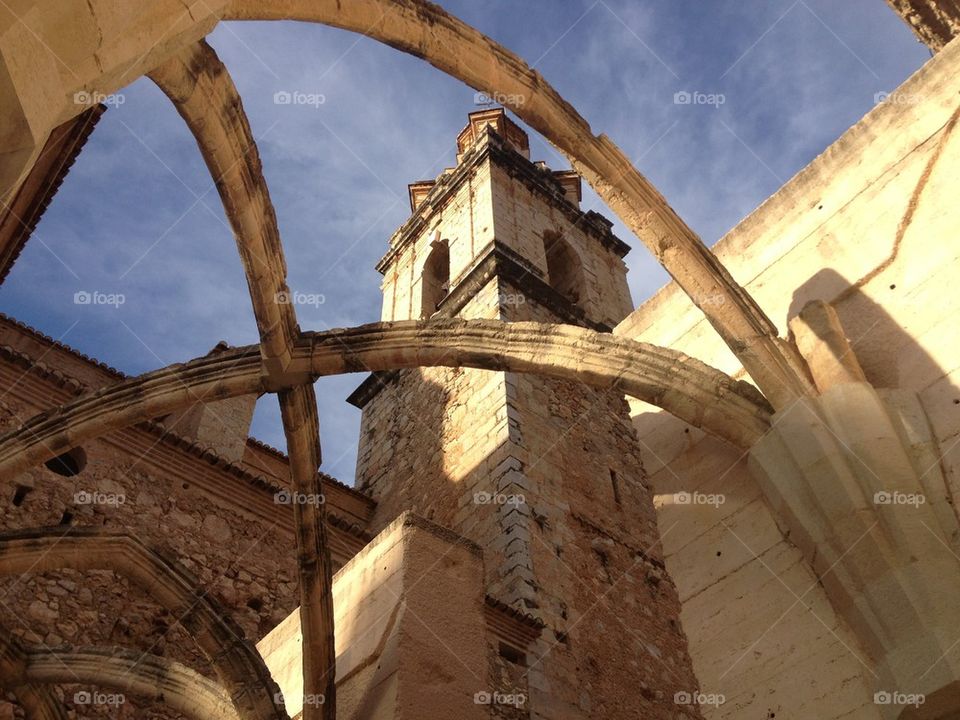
491, 146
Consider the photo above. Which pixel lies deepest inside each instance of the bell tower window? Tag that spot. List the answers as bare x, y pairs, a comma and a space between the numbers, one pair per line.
563, 267
435, 279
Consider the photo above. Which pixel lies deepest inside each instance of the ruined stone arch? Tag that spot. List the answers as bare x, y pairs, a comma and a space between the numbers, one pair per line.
696, 393
201, 89
245, 677
121, 669
427, 31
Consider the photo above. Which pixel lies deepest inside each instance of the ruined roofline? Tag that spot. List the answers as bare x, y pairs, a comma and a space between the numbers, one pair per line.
169, 438
44, 338
490, 145
19, 220
77, 387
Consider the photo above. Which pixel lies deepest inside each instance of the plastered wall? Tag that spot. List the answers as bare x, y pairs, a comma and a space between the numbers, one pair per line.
871, 226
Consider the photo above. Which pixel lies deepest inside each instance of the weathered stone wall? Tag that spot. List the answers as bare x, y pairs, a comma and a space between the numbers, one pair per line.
243, 558
222, 521
595, 550
871, 227
431, 439
525, 467
401, 654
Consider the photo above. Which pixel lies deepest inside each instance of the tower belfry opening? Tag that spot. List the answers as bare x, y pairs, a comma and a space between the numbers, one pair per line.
436, 278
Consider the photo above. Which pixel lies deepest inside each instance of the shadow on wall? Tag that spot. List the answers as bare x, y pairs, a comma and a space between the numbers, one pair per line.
401, 459
889, 353
887, 349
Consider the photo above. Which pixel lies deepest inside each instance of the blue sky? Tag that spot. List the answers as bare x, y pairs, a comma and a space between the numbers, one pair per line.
139, 216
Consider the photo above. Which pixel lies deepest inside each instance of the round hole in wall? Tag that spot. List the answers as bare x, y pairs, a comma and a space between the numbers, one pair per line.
719, 553
70, 463
893, 287
186, 486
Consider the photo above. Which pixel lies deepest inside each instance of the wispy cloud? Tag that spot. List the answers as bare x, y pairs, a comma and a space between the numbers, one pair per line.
338, 165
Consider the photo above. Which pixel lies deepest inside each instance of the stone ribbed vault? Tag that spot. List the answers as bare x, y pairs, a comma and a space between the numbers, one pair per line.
190, 74
246, 680
124, 670
287, 361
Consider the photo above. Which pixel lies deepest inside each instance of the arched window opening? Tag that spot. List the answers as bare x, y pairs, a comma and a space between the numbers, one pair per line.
70, 463
435, 279
563, 267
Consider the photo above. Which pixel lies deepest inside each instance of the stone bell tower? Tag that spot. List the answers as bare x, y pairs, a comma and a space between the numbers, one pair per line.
546, 475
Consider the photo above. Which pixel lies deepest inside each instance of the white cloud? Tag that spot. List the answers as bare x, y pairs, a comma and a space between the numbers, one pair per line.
338, 170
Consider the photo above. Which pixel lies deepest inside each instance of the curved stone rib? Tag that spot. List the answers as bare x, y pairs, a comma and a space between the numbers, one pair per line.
685, 387
204, 94
427, 31
145, 397
124, 670
298, 410
236, 661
